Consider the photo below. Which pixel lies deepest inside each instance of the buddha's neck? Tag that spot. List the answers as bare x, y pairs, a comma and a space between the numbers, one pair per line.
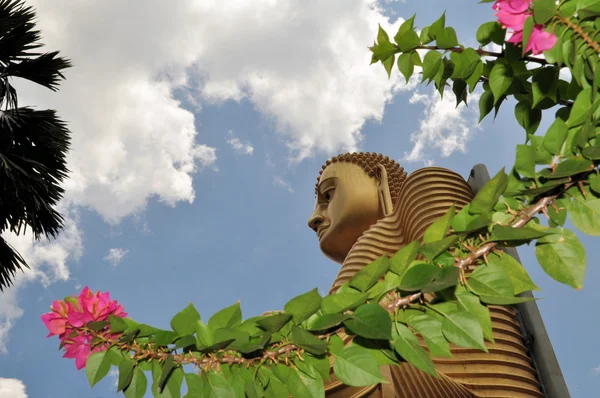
384, 237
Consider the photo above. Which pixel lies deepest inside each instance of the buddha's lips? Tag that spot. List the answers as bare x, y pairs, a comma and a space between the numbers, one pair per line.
321, 230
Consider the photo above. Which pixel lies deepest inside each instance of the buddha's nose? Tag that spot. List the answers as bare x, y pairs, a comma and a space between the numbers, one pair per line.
314, 221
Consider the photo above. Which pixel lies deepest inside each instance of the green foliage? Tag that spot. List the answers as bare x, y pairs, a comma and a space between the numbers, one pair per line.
184, 322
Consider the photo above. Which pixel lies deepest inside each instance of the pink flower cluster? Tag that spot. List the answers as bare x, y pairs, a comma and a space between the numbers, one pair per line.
512, 14
68, 317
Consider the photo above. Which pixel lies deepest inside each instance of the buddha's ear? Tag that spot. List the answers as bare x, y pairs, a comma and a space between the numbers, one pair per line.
383, 189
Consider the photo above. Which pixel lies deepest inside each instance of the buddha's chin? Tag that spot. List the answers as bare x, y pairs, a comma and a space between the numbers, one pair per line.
331, 250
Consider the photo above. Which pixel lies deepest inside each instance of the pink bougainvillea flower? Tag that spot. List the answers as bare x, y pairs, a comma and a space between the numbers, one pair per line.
516, 38
56, 321
512, 6
512, 13
68, 317
540, 40
80, 348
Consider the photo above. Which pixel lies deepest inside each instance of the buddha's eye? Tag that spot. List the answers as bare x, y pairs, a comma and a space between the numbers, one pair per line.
329, 195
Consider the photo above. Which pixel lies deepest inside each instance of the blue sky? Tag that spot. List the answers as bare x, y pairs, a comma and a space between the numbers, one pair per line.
198, 133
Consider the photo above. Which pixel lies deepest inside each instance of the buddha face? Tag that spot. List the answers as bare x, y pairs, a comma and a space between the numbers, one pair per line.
347, 205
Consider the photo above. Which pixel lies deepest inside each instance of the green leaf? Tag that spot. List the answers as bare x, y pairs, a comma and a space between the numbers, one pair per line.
490, 280
364, 279
430, 328
406, 65
126, 368
563, 257
446, 38
383, 51
544, 84
404, 257
500, 79
504, 300
520, 279
474, 79
407, 26
502, 233
432, 61
356, 368
463, 329
184, 322
370, 321
470, 303
138, 385
594, 180
528, 118
328, 321
542, 156
378, 349
303, 306
486, 31
486, 104
274, 323
276, 389
382, 36
229, 317
439, 228
555, 137
543, 10
118, 324
433, 249
335, 345
204, 335
424, 36
97, 367
319, 363
525, 161
408, 41
527, 30
446, 277
340, 302
581, 108
437, 26
591, 152
573, 165
212, 384
388, 65
416, 58
308, 341
167, 368
588, 9
465, 222
459, 88
585, 214
408, 347
464, 63
418, 275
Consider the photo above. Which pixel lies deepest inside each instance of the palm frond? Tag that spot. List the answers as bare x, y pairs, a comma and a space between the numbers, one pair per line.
10, 262
33, 147
44, 70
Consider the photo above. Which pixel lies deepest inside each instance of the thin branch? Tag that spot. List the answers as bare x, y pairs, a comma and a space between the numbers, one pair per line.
483, 52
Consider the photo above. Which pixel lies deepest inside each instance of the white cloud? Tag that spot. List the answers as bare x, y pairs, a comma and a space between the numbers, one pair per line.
115, 256
444, 128
278, 181
236, 144
596, 370
12, 388
114, 375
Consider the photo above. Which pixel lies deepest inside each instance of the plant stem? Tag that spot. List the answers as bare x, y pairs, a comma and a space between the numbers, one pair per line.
577, 29
483, 52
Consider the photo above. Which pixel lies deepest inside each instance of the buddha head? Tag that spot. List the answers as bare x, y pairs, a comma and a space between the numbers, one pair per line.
353, 192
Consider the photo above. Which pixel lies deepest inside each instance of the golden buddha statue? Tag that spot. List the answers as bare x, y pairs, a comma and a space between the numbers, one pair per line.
367, 207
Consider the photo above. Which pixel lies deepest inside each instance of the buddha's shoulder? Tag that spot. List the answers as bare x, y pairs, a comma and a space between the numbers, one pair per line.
432, 171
